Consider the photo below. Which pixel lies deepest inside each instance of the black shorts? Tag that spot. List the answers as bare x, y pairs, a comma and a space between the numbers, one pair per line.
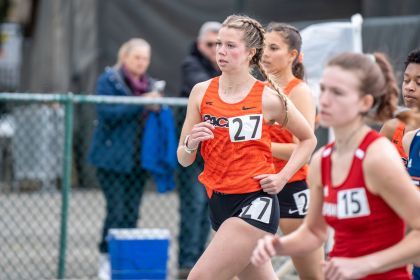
294, 200
257, 208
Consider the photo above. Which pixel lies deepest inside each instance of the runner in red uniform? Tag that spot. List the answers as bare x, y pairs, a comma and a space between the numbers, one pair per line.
353, 210
229, 116
358, 186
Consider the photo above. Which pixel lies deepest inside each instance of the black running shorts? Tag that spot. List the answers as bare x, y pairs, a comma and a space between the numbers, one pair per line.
257, 208
294, 200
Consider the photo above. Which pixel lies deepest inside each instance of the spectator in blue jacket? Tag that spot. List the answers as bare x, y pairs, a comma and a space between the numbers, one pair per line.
115, 147
200, 65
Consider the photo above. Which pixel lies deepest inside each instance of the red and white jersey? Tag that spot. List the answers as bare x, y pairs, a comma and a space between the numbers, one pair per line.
363, 222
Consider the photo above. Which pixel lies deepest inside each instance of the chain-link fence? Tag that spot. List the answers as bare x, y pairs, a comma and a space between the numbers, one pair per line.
55, 174
63, 157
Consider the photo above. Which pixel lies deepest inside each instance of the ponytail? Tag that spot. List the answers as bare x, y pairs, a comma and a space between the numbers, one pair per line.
279, 92
376, 77
298, 70
387, 102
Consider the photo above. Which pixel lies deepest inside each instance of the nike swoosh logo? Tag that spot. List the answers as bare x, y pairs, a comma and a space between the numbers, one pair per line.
248, 108
293, 211
209, 102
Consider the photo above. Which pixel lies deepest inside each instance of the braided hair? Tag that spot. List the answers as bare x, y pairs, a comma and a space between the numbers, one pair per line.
254, 38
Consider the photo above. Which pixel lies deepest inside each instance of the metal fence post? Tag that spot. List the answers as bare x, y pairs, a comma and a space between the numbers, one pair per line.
66, 183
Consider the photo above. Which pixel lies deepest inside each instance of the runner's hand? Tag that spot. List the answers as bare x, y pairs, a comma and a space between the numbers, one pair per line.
271, 183
267, 247
200, 132
344, 268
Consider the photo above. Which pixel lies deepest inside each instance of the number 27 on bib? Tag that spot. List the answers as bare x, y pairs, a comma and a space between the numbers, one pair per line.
245, 128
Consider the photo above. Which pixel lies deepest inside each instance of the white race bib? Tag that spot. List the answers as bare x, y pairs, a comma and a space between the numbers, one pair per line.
259, 210
245, 128
302, 201
352, 203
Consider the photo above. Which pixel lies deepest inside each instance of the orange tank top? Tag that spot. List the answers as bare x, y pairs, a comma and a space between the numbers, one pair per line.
241, 147
282, 135
397, 140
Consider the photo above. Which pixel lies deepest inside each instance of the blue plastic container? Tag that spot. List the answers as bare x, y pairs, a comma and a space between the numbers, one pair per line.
138, 253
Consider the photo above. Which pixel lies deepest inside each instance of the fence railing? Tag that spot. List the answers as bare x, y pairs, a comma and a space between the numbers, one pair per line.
52, 199
44, 163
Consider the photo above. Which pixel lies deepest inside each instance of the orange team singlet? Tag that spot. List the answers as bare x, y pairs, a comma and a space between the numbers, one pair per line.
397, 140
282, 135
241, 147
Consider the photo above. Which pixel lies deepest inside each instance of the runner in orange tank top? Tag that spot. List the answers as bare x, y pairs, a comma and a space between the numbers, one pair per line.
357, 184
395, 129
229, 117
282, 60
229, 157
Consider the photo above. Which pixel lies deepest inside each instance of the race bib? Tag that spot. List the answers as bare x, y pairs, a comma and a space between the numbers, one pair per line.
245, 128
259, 210
352, 203
302, 201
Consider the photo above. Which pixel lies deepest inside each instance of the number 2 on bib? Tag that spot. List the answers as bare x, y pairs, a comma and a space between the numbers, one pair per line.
302, 201
245, 128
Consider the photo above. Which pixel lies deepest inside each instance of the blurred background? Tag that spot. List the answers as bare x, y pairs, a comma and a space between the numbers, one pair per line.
72, 40
61, 46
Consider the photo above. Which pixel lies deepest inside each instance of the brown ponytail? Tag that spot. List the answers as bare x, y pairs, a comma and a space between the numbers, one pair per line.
298, 70
387, 103
376, 77
279, 91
